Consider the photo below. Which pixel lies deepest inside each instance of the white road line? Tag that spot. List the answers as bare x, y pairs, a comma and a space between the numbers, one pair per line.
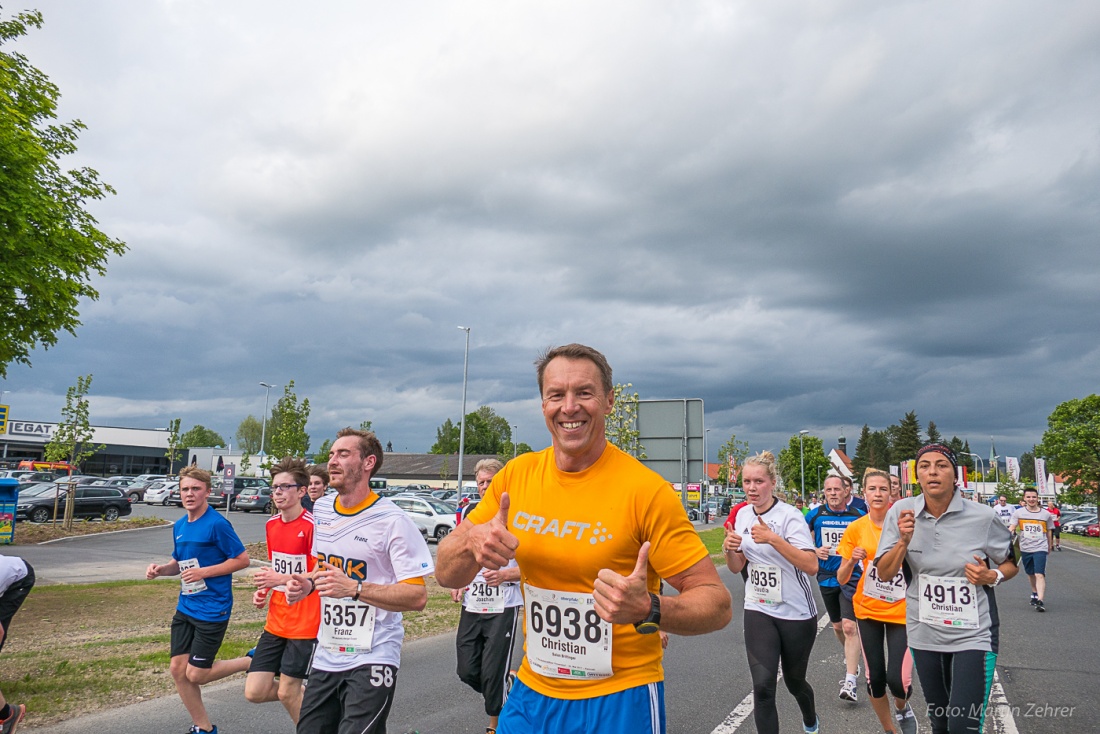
744, 709
1078, 550
1000, 712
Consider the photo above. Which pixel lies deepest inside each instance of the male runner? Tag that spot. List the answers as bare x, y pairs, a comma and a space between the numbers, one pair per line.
487, 625
286, 644
594, 531
206, 553
851, 501
371, 564
318, 483
16, 581
1003, 510
827, 524
1034, 526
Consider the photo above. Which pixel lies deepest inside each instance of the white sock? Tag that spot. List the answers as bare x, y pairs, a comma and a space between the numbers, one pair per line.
852, 678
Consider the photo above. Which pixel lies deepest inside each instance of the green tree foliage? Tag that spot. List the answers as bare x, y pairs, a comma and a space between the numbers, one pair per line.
934, 435
789, 464
1027, 466
446, 439
1011, 489
486, 433
287, 427
50, 246
249, 433
872, 450
200, 435
321, 455
174, 445
1071, 447
739, 450
961, 452
621, 427
905, 439
72, 439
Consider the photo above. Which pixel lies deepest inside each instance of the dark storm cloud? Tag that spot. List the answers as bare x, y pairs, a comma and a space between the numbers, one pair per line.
809, 217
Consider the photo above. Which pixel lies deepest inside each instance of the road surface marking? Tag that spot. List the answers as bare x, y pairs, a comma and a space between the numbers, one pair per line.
1077, 550
744, 709
1003, 722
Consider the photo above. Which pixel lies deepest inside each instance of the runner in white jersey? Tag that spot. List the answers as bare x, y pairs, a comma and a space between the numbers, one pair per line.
780, 616
488, 624
1034, 527
372, 561
1003, 510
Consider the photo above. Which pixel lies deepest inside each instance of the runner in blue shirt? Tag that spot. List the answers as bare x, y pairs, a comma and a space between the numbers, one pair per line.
207, 551
827, 524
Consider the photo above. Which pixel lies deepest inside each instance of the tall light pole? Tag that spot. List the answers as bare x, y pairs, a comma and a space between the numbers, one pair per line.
462, 422
980, 463
263, 428
515, 440
802, 460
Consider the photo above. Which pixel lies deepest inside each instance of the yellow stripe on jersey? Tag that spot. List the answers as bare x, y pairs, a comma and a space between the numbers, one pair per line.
341, 510
417, 581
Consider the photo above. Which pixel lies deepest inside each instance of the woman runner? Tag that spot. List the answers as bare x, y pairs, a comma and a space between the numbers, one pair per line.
771, 537
880, 611
953, 553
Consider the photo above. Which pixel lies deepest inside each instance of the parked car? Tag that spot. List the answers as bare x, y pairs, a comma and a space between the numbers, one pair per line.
217, 499
1077, 527
253, 498
435, 519
445, 494
19, 473
150, 477
158, 493
89, 501
133, 489
33, 477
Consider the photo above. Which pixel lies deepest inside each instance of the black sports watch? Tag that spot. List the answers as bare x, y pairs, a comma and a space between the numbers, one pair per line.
651, 623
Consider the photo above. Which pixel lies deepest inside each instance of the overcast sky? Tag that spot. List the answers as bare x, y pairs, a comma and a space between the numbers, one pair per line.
811, 216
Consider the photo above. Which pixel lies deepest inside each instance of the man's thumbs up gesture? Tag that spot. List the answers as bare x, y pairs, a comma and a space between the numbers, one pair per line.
493, 544
624, 599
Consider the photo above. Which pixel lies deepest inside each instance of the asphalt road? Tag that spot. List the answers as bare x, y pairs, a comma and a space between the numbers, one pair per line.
1046, 668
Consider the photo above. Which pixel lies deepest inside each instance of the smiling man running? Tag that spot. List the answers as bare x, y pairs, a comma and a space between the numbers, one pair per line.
594, 531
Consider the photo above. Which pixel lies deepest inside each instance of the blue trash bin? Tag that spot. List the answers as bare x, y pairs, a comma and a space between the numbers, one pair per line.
9, 498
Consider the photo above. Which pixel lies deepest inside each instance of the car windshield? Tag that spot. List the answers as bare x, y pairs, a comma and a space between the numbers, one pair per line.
441, 507
36, 490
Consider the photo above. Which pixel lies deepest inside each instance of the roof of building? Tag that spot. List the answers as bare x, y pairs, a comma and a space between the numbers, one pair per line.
417, 466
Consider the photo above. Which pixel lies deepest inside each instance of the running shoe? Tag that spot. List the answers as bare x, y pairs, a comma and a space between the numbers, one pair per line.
815, 729
18, 711
907, 721
1034, 600
251, 652
196, 730
1039, 606
847, 691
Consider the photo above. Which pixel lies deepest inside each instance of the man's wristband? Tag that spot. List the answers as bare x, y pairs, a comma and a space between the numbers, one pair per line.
312, 586
358, 591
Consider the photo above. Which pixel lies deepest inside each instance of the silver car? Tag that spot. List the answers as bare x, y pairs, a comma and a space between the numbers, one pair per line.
434, 518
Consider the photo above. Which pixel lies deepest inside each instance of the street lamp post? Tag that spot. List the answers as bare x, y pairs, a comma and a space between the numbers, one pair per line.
263, 426
462, 422
515, 440
802, 461
980, 463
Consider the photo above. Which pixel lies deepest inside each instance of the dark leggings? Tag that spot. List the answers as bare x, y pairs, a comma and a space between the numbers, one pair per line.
956, 686
768, 641
882, 642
